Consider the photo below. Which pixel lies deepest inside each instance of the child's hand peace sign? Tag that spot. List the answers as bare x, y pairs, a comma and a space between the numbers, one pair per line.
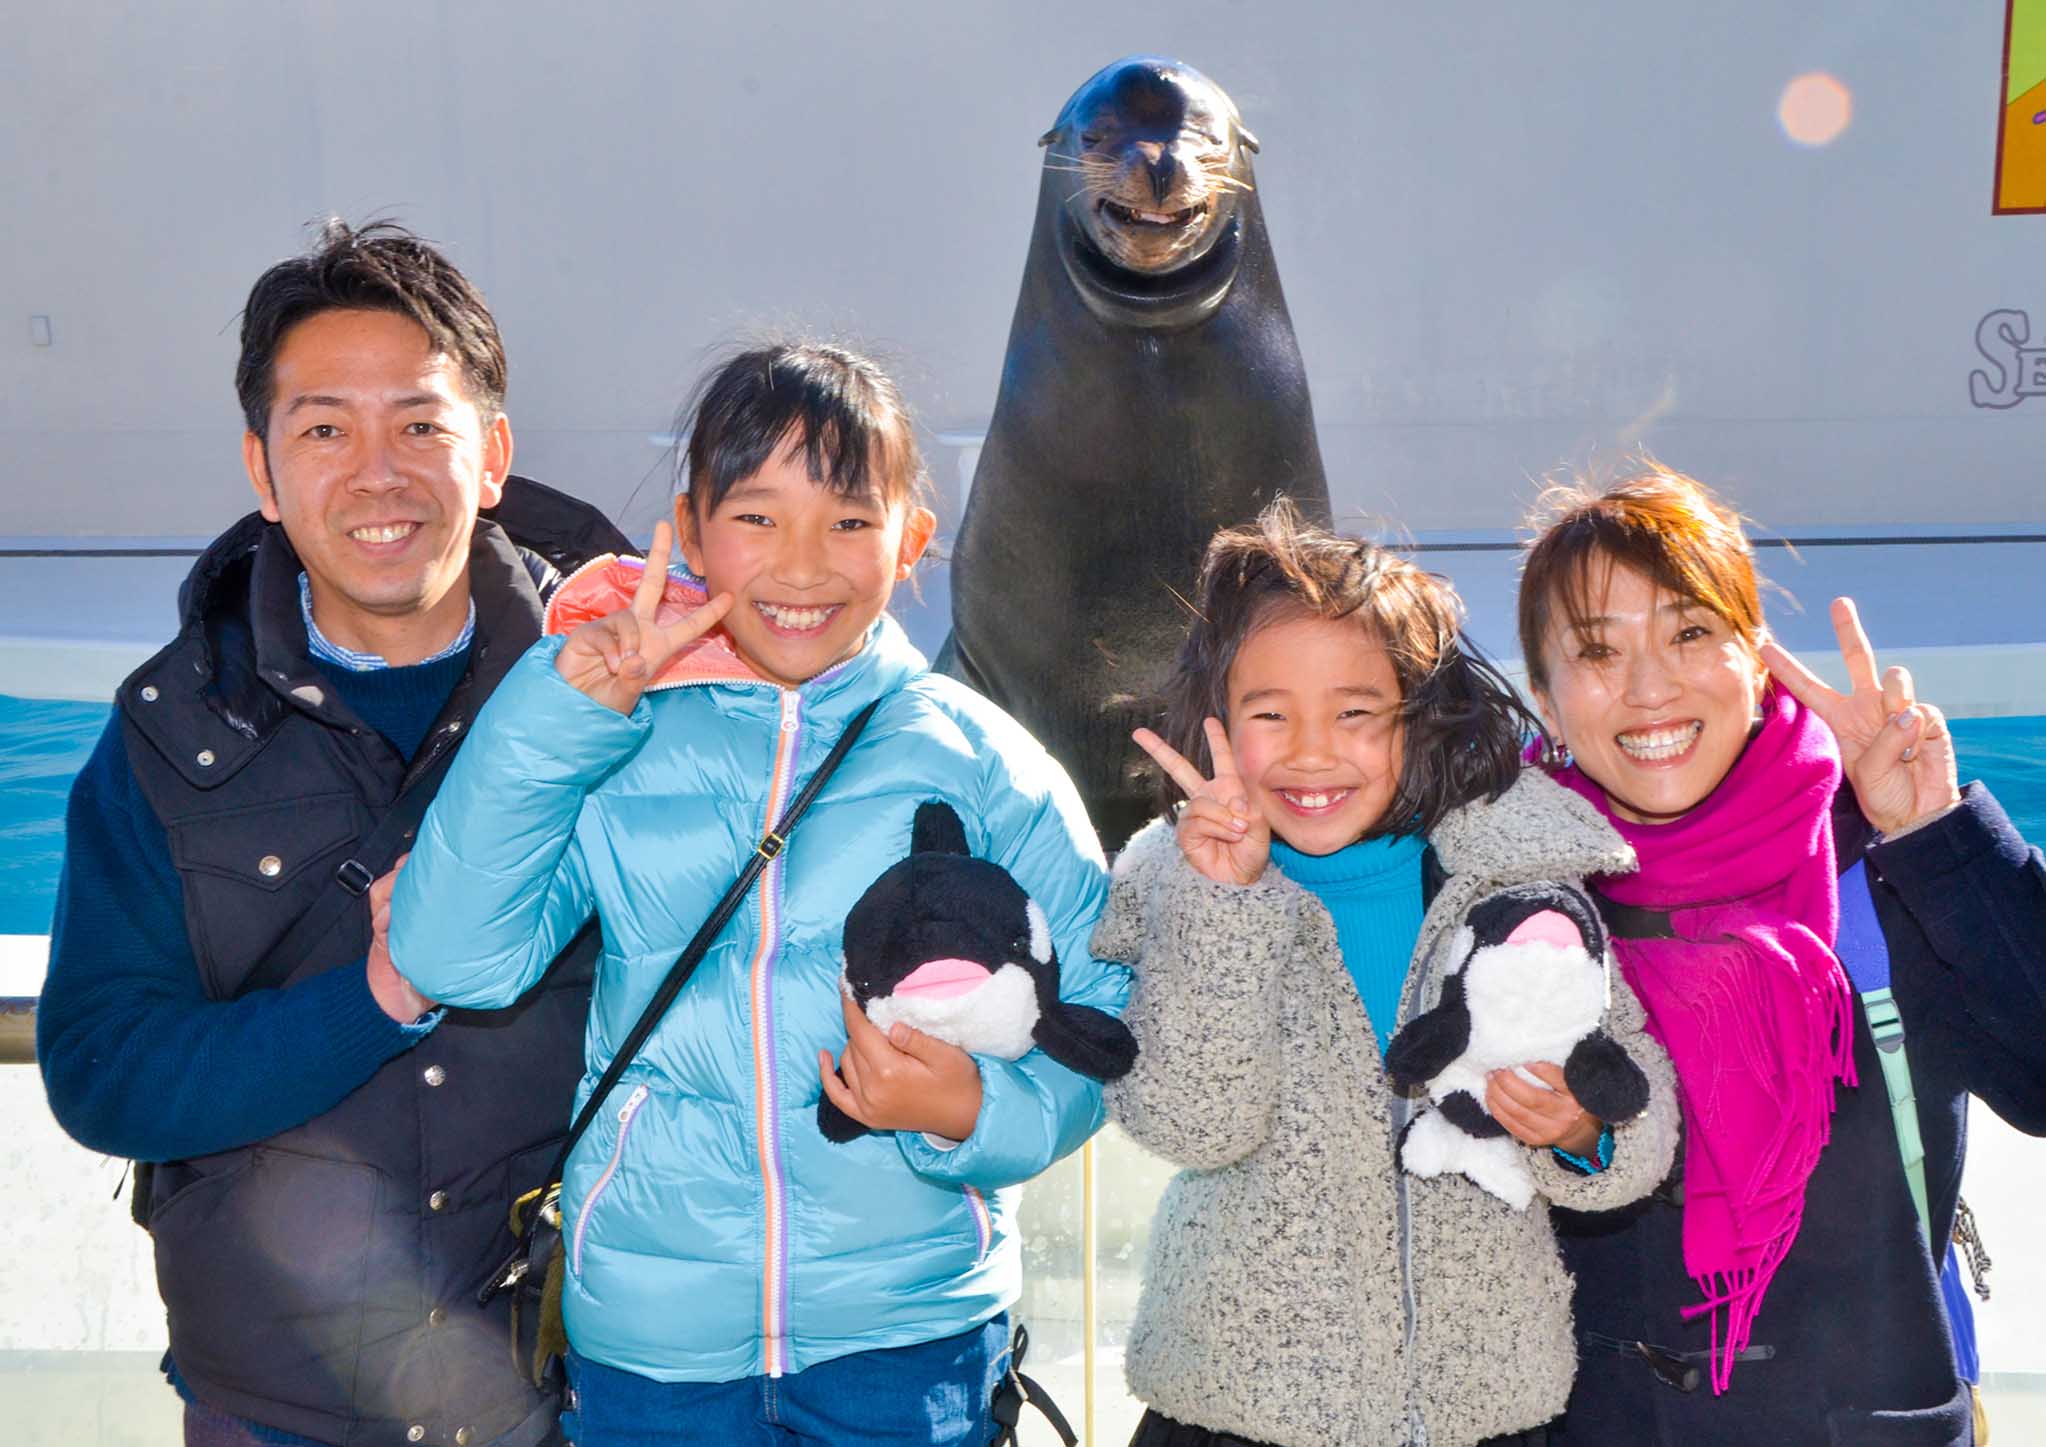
614, 658
1896, 751
1220, 833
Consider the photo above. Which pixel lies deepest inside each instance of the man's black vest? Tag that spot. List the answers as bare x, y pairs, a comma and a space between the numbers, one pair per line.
324, 1280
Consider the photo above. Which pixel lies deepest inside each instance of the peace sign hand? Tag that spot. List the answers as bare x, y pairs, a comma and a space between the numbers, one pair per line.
1897, 752
614, 658
1219, 832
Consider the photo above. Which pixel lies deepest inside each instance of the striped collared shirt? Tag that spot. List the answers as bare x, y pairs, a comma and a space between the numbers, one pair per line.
328, 651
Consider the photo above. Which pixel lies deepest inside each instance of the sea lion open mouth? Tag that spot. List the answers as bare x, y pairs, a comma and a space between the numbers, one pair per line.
1129, 216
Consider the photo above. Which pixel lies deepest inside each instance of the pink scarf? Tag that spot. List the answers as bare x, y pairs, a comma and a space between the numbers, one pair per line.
1749, 1001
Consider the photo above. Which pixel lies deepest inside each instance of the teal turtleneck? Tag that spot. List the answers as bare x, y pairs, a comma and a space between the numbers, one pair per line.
1372, 890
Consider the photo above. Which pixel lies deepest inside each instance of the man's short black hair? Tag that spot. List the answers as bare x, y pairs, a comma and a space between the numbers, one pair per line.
380, 266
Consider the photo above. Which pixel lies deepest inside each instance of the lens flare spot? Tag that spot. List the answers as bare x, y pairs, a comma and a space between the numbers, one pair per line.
1815, 109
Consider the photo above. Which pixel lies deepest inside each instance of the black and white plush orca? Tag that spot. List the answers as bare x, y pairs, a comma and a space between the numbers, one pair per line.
952, 946
1533, 982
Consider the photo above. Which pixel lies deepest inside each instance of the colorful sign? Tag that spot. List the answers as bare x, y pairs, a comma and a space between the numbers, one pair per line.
2021, 134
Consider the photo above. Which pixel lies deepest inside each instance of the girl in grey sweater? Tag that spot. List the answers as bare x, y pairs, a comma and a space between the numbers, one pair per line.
1351, 785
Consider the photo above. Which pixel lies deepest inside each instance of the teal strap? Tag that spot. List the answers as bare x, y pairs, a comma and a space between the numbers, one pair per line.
1887, 1026
1866, 955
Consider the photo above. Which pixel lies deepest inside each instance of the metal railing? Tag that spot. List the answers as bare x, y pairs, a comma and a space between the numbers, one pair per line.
17, 1030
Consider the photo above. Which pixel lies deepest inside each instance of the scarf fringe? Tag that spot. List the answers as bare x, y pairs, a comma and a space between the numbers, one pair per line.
1804, 1100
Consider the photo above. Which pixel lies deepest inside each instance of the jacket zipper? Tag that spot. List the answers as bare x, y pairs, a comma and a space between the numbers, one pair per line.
983, 1222
774, 1288
625, 1114
602, 560
1402, 1114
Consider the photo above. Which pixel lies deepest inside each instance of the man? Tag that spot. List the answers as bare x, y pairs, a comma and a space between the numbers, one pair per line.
336, 1159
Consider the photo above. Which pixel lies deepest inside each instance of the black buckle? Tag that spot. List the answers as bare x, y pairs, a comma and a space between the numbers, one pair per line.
1015, 1391
354, 876
1669, 1367
770, 845
508, 1275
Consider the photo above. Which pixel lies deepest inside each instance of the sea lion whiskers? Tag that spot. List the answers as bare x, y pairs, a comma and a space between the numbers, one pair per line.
1102, 172
1218, 169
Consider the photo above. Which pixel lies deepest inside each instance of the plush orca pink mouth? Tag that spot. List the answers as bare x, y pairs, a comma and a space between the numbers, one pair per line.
942, 979
1548, 928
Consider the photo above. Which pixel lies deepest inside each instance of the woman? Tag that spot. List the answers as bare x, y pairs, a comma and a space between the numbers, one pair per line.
1777, 1288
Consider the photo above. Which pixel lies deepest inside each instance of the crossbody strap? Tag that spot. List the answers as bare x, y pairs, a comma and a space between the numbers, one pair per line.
1866, 956
770, 845
368, 862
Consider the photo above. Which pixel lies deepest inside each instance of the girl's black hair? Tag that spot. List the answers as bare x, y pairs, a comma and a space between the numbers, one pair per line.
839, 407
1464, 724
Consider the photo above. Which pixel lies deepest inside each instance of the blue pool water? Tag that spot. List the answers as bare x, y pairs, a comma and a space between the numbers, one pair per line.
42, 744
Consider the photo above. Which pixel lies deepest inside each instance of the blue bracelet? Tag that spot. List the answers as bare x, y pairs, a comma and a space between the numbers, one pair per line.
1604, 1153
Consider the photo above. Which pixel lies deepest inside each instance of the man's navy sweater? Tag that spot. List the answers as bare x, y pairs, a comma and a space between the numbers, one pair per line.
149, 1067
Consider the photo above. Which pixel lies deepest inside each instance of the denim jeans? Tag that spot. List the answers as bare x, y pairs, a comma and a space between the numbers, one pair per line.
934, 1393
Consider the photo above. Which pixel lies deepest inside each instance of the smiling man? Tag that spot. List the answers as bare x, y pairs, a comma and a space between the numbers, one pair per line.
333, 1158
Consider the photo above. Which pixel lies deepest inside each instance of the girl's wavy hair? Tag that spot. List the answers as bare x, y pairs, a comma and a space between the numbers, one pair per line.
1464, 725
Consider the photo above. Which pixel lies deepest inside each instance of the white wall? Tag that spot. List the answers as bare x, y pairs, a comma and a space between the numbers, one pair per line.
1509, 232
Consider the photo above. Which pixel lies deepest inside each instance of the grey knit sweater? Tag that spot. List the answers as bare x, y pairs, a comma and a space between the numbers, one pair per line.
1301, 1289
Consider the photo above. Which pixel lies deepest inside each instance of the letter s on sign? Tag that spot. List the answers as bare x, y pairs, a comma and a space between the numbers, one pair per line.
2000, 337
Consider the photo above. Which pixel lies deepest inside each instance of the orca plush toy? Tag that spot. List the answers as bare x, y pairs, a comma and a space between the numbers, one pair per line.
952, 946
1532, 983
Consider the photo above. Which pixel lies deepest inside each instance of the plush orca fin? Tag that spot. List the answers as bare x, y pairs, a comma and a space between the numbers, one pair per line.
1427, 1043
937, 830
1085, 1039
1605, 1079
836, 1124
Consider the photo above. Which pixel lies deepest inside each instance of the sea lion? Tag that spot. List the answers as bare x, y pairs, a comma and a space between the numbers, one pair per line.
1152, 393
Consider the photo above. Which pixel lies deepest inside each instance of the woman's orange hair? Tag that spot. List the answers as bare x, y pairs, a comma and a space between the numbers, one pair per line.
1667, 527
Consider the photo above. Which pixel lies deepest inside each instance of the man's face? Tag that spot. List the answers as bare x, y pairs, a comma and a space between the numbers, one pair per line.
375, 462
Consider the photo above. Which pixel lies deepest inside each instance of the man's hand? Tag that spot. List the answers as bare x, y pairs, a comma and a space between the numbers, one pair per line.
614, 658
1537, 1117
391, 990
903, 1080
1896, 751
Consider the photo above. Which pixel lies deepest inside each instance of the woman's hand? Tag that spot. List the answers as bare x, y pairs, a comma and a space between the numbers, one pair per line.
1896, 751
1538, 1117
1219, 832
614, 658
901, 1080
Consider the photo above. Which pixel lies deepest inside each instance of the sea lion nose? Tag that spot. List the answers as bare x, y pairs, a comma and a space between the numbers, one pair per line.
1162, 168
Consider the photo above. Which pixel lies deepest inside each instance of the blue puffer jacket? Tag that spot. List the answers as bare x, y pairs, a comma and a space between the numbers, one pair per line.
713, 1233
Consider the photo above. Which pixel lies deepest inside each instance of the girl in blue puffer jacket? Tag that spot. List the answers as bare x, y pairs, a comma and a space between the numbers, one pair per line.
732, 1276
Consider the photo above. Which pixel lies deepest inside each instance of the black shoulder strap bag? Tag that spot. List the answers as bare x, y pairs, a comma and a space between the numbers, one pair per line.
533, 1271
